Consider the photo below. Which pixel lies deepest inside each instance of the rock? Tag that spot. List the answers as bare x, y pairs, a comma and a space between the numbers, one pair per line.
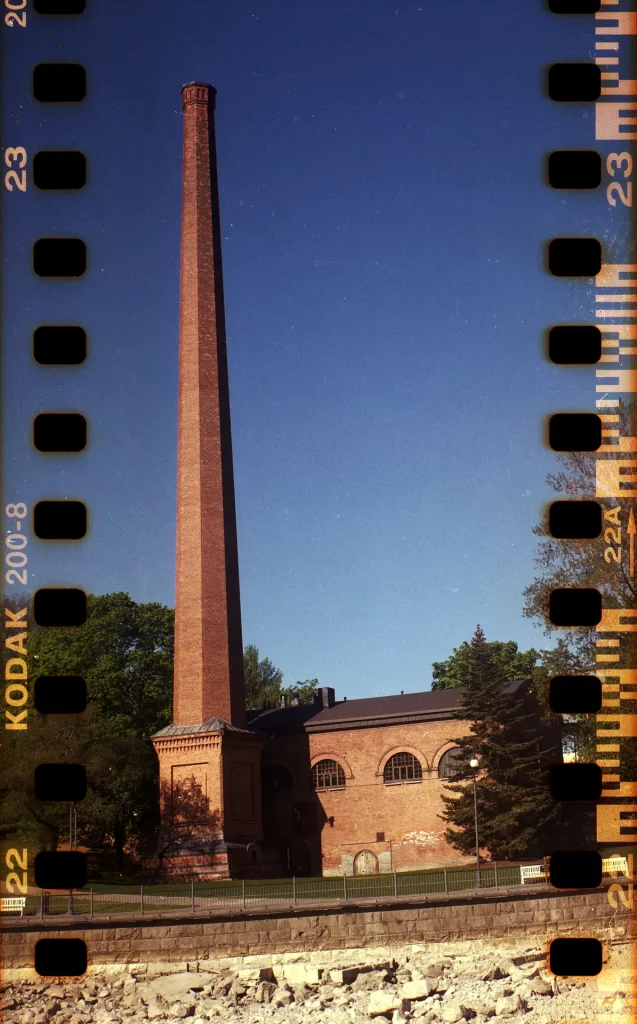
434, 970
56, 991
419, 1009
384, 1002
418, 989
256, 974
181, 1010
398, 1017
492, 974
454, 1011
237, 990
315, 1003
155, 1010
344, 976
174, 987
540, 987
264, 990
302, 992
368, 982
302, 974
281, 997
507, 1005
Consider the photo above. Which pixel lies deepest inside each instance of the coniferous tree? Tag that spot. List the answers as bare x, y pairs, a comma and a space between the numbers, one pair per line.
517, 818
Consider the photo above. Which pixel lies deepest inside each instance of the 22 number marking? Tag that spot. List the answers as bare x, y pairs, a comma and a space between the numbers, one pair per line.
12, 860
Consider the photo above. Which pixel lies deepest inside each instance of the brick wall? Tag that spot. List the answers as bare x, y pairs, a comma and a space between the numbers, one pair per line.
208, 644
545, 916
350, 819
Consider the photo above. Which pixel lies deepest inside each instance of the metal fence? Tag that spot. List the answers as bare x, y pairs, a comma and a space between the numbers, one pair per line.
237, 895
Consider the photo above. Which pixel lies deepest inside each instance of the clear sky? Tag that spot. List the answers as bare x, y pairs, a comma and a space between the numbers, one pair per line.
383, 221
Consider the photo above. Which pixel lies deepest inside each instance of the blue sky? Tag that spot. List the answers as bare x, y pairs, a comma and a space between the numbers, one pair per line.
383, 221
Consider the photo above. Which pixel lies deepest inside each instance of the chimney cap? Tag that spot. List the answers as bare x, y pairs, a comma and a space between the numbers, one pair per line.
198, 92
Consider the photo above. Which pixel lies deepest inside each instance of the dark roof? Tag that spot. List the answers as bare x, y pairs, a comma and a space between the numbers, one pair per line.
367, 711
212, 725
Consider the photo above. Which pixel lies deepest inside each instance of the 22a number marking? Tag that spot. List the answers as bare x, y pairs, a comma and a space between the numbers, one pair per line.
13, 17
12, 157
614, 162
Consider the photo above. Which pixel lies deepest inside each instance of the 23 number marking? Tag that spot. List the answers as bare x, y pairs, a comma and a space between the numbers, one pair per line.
12, 157
615, 191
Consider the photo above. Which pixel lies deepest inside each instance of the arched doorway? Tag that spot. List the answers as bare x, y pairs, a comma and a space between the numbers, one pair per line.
366, 863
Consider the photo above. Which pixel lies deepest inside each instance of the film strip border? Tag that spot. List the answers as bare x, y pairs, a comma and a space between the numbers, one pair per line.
611, 344
56, 433
611, 341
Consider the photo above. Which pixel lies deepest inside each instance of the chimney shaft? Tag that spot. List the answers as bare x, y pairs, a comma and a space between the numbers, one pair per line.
208, 642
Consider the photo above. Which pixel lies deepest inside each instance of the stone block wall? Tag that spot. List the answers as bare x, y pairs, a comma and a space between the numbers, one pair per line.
544, 916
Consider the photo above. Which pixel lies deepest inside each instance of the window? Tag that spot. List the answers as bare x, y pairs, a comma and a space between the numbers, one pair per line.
275, 778
328, 775
453, 764
402, 768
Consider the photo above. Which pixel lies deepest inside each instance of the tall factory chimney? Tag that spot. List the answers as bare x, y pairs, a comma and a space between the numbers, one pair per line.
208, 644
209, 763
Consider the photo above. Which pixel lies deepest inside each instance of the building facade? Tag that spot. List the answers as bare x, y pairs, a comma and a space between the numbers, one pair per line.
355, 787
339, 787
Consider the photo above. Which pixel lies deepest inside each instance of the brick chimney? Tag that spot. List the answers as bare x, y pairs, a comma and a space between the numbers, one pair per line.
208, 673
209, 763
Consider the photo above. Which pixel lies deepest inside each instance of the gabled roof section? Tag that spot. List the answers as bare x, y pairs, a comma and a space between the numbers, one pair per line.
366, 712
212, 725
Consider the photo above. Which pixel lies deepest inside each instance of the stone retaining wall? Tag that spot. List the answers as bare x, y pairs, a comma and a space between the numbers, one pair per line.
206, 937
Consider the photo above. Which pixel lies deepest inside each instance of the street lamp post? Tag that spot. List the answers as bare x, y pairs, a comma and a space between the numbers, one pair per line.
474, 764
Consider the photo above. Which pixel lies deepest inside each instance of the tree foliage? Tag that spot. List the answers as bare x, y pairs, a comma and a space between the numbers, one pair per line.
515, 745
124, 652
511, 663
602, 563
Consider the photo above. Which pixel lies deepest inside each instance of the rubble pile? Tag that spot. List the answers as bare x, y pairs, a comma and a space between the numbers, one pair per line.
445, 983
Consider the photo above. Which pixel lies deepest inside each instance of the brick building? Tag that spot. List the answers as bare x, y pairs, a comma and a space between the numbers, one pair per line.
337, 787
355, 787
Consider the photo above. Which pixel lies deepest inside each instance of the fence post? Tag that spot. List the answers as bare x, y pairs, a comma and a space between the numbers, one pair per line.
141, 899
395, 884
91, 910
293, 889
495, 868
41, 907
344, 887
446, 885
192, 896
243, 893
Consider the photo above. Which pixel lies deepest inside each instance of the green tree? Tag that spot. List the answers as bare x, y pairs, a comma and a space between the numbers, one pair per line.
602, 562
262, 680
303, 690
510, 662
509, 738
577, 563
124, 652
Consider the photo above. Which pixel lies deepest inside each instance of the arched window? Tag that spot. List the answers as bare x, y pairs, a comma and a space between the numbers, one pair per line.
328, 775
402, 767
453, 764
275, 778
